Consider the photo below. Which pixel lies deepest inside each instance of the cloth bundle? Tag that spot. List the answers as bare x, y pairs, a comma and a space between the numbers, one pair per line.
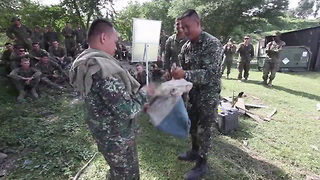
167, 109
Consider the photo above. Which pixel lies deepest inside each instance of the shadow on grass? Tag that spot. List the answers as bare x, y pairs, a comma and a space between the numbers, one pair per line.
158, 156
291, 91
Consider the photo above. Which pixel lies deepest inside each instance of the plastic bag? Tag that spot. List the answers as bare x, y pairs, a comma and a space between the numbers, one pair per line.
167, 110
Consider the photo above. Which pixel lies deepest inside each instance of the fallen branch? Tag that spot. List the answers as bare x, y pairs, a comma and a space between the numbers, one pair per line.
84, 167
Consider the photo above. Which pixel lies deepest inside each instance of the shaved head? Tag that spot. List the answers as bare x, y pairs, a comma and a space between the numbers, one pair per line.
190, 13
98, 27
191, 25
103, 36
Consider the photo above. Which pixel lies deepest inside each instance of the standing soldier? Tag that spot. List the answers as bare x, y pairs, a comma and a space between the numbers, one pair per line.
201, 58
49, 37
272, 62
6, 57
246, 52
25, 77
20, 33
38, 36
163, 39
69, 42
80, 35
112, 100
173, 48
228, 50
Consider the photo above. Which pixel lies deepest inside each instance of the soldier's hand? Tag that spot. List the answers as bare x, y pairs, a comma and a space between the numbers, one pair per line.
178, 73
146, 107
150, 90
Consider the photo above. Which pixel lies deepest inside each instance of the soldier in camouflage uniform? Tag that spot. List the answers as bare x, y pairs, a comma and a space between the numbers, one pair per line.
228, 50
272, 62
201, 58
112, 100
173, 48
69, 41
36, 53
25, 77
246, 53
15, 58
52, 74
37, 36
5, 58
59, 55
80, 35
163, 39
49, 37
20, 33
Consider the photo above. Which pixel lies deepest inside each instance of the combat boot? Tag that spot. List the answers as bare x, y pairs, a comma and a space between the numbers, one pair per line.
199, 170
22, 95
270, 83
264, 82
189, 156
227, 76
34, 93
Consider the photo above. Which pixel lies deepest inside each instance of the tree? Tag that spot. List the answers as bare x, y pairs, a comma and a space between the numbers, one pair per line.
222, 17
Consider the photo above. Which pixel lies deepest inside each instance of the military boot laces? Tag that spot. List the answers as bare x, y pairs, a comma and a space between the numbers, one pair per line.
34, 93
189, 156
200, 169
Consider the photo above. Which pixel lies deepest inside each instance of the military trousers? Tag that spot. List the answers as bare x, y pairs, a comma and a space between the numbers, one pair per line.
202, 114
271, 66
120, 152
243, 67
70, 46
226, 63
22, 85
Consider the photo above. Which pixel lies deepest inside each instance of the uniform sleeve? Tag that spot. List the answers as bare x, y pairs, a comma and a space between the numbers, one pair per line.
51, 52
181, 57
112, 91
64, 33
37, 73
15, 74
9, 33
63, 52
240, 49
211, 65
167, 55
29, 31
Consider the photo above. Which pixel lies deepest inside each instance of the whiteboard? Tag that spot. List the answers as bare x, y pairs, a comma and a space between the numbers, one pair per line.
146, 34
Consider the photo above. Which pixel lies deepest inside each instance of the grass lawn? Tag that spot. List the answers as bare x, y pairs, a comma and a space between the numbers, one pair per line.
48, 139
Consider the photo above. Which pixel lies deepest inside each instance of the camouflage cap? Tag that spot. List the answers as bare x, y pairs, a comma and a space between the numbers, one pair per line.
16, 18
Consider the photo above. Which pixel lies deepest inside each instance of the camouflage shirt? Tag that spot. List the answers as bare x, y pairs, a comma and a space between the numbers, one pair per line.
111, 111
202, 62
48, 69
22, 33
80, 35
37, 37
172, 50
33, 53
68, 33
246, 52
228, 51
273, 48
59, 52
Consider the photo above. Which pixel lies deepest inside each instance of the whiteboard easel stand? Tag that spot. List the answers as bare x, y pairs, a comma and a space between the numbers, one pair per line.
145, 58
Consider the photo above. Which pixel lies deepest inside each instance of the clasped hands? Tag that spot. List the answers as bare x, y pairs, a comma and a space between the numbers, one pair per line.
177, 73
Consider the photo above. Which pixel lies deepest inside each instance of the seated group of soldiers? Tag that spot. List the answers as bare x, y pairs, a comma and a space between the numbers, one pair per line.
27, 69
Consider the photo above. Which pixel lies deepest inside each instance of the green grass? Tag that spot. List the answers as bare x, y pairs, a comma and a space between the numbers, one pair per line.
48, 139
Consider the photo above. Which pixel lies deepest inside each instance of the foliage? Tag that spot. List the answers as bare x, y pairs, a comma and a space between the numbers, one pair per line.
221, 17
155, 10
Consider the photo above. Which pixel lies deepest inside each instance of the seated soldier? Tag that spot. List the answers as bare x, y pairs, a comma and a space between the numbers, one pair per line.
15, 59
59, 55
5, 58
24, 78
52, 74
141, 75
35, 53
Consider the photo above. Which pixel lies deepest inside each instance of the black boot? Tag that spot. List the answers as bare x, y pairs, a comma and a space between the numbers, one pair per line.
191, 155
199, 170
